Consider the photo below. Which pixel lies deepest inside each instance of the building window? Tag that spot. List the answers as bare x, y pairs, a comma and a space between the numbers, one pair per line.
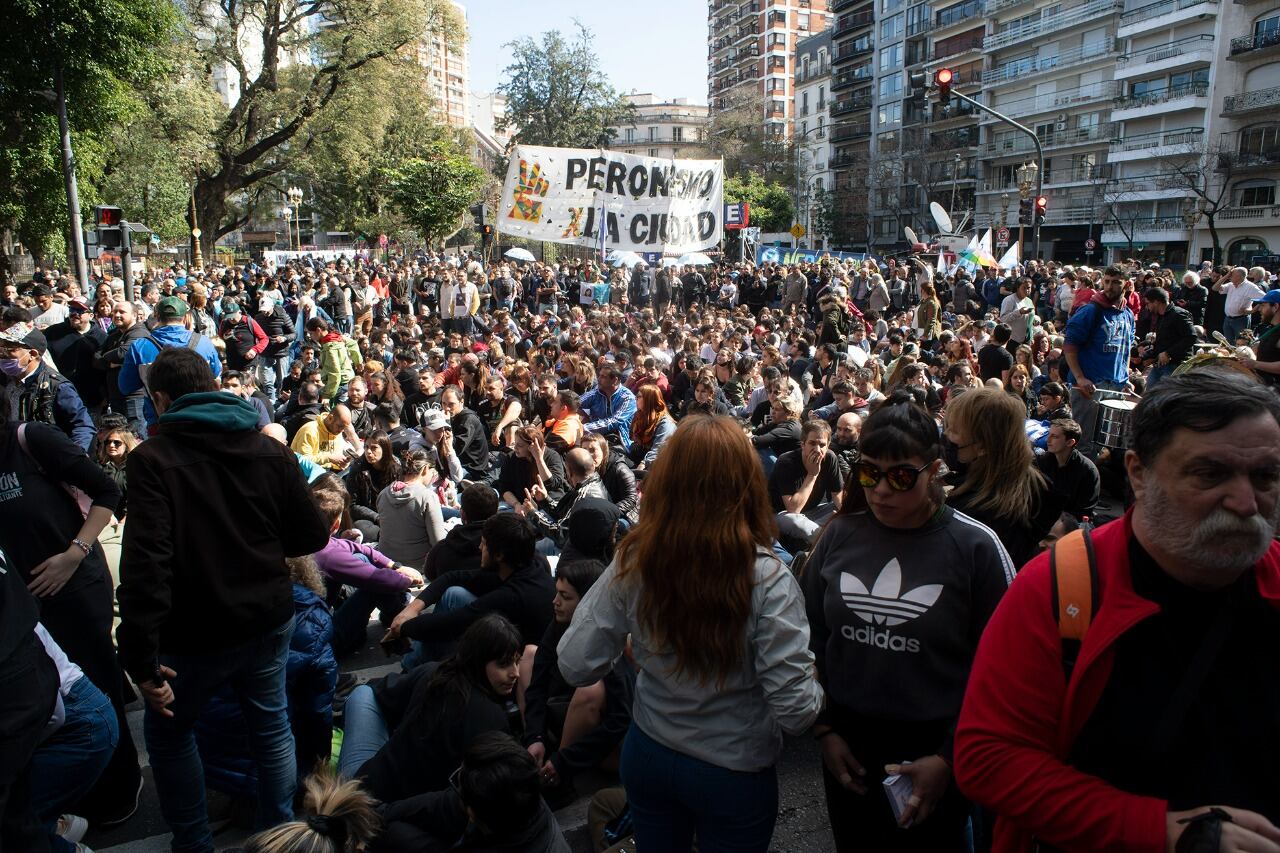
1258, 195
631, 134
1260, 143
891, 28
890, 114
804, 104
891, 57
891, 85
653, 134
1241, 252
890, 5
677, 134
822, 96
653, 152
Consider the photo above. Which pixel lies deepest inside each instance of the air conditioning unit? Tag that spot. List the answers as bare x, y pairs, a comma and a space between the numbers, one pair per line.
1060, 126
1062, 117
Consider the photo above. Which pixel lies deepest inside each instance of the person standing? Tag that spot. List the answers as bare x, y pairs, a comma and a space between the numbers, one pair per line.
170, 331
1018, 312
205, 593
73, 344
35, 392
720, 639
1241, 291
1098, 340
1139, 728
1266, 360
273, 363
1175, 335
125, 330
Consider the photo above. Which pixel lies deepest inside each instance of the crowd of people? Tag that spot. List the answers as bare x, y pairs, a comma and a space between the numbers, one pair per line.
1003, 544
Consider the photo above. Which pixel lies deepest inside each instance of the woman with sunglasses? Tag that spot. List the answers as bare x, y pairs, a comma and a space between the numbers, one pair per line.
114, 445
898, 589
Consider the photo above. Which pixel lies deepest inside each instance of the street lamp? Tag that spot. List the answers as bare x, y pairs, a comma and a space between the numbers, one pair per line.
295, 199
1026, 178
286, 213
1004, 208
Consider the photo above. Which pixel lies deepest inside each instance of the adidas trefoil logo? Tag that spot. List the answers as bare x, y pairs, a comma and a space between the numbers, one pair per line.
885, 604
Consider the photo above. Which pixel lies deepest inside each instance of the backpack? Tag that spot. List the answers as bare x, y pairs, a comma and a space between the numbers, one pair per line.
1073, 579
144, 370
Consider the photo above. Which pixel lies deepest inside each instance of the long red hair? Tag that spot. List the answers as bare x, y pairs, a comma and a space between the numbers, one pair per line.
650, 410
705, 511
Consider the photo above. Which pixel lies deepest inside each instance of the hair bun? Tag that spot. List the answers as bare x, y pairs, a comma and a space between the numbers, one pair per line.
330, 827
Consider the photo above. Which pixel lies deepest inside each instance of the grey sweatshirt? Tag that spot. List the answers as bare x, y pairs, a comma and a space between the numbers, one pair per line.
738, 726
410, 521
897, 614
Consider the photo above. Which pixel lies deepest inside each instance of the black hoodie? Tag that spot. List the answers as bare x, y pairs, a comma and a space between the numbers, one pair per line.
215, 507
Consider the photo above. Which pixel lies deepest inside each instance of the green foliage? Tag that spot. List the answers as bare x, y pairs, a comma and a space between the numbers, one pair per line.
433, 192
105, 50
558, 96
772, 208
738, 135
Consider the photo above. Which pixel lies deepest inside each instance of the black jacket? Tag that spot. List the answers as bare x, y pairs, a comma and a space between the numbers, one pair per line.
1175, 334
524, 598
620, 482
111, 356
215, 507
1076, 484
274, 324
74, 354
470, 441
440, 819
458, 551
1193, 299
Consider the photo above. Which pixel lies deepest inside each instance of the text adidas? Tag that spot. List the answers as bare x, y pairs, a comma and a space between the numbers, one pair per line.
886, 640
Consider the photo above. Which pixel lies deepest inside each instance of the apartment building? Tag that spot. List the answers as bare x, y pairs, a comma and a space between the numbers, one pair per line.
751, 49
853, 92
449, 75
812, 132
664, 128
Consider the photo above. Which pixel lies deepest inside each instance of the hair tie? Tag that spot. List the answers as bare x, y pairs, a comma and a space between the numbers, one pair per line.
330, 827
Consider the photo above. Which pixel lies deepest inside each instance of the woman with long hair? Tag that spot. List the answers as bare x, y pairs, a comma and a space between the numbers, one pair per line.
1018, 386
112, 448
376, 469
1002, 488
898, 589
405, 734
719, 637
928, 317
650, 428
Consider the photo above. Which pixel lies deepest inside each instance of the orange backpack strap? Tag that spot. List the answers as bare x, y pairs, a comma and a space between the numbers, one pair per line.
1074, 577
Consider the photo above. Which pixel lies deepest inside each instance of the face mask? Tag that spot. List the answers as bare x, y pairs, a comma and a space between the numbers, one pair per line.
11, 367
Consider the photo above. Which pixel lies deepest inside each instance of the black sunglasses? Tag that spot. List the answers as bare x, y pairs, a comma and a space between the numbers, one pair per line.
901, 478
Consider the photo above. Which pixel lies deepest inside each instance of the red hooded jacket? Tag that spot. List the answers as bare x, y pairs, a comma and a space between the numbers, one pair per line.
1019, 719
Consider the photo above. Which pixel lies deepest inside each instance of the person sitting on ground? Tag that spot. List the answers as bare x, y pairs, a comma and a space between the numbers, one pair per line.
618, 478
376, 469
311, 677
564, 427
410, 522
568, 730
650, 429
552, 519
494, 807
406, 733
343, 818
1053, 403
512, 580
1071, 475
328, 440
460, 549
375, 581
305, 409
531, 462
805, 486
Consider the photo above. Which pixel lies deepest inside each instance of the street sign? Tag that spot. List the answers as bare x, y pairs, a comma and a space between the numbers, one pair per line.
1003, 236
797, 231
1002, 244
1090, 245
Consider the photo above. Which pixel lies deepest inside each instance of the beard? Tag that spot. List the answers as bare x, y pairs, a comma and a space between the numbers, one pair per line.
1220, 544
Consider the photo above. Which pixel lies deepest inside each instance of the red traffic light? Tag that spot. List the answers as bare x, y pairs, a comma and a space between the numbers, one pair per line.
108, 215
943, 76
1042, 202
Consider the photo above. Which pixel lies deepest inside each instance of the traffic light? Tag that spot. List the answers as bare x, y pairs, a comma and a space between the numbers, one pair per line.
486, 231
1042, 207
1024, 211
942, 79
108, 222
478, 213
919, 82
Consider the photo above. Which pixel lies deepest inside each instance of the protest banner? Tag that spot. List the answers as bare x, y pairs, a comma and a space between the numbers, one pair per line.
788, 255
609, 200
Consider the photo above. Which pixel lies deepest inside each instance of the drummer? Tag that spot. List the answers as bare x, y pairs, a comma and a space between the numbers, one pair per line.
1266, 361
1098, 341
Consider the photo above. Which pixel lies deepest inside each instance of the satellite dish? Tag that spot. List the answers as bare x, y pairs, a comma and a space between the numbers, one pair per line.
940, 217
911, 234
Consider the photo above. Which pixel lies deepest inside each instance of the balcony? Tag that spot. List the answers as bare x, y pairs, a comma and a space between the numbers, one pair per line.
851, 49
841, 5
919, 28
1163, 14
1183, 140
852, 104
954, 47
1186, 96
1024, 68
1249, 102
1192, 50
1141, 187
1021, 144
1256, 46
1149, 228
846, 24
845, 161
1087, 13
1267, 213
957, 110
850, 132
852, 77
994, 6
1050, 101
953, 139
1058, 178
1255, 149
965, 12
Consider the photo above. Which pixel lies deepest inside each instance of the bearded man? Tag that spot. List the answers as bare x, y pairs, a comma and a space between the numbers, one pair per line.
1156, 726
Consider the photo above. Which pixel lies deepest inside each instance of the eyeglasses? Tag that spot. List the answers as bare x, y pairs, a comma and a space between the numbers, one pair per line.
114, 442
901, 478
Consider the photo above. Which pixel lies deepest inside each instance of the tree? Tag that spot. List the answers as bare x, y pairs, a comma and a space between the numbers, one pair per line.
558, 96
104, 50
772, 208
432, 193
1207, 170
1125, 212
290, 62
739, 135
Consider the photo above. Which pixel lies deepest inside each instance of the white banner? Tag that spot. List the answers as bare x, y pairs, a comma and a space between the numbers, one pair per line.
636, 204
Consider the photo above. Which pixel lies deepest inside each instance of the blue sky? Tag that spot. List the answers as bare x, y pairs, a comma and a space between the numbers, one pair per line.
657, 46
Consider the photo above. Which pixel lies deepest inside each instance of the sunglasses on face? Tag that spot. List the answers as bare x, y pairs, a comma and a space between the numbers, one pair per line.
114, 442
901, 478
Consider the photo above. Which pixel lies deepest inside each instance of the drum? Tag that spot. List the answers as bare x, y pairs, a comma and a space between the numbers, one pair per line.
1115, 421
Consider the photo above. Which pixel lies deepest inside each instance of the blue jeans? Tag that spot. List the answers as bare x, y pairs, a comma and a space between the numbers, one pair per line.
256, 672
68, 764
454, 598
364, 731
1233, 326
271, 371
133, 411
768, 459
673, 796
1158, 373
351, 619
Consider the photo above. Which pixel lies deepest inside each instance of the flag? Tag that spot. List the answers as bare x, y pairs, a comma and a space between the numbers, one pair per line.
1011, 258
978, 252
941, 267
601, 229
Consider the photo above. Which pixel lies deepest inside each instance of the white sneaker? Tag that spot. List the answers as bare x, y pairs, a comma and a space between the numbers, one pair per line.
72, 827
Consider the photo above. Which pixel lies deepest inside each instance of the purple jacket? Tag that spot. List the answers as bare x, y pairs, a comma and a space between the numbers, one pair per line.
346, 562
